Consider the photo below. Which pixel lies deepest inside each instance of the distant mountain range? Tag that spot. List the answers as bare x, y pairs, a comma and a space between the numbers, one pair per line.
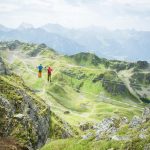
118, 44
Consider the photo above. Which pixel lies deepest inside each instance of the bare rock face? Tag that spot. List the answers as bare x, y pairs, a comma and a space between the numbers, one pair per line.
23, 115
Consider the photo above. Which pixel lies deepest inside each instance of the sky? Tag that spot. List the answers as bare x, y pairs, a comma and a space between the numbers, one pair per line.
111, 14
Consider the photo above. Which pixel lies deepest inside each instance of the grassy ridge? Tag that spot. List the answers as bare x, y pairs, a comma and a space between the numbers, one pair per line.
72, 88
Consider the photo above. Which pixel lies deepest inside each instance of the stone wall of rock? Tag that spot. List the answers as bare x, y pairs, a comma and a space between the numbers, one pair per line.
23, 115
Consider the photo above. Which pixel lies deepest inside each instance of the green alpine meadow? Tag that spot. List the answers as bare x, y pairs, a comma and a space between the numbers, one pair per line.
74, 74
87, 103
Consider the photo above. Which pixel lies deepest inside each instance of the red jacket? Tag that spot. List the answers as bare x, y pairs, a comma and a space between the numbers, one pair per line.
49, 70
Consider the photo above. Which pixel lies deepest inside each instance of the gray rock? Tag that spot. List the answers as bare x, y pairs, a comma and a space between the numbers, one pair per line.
104, 125
67, 132
147, 147
135, 121
112, 130
105, 128
124, 121
27, 118
120, 138
86, 137
19, 116
146, 114
142, 136
143, 133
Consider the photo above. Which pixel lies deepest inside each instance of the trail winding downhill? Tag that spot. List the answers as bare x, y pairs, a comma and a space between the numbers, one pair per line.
93, 105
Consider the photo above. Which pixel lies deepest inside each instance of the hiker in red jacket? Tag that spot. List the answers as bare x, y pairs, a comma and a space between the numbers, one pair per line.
49, 73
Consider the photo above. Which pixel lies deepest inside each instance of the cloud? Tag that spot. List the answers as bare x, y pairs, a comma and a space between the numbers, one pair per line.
7, 8
77, 13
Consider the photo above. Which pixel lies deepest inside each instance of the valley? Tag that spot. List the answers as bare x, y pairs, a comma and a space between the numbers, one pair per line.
85, 89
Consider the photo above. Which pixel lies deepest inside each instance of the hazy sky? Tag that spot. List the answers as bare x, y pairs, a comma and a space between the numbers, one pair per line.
77, 13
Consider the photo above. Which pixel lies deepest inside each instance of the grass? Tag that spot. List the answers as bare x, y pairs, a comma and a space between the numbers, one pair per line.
78, 144
72, 88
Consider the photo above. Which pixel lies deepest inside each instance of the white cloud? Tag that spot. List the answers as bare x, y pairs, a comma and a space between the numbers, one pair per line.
7, 8
77, 13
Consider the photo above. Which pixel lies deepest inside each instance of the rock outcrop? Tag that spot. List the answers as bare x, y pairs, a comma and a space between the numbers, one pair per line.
3, 68
133, 134
23, 115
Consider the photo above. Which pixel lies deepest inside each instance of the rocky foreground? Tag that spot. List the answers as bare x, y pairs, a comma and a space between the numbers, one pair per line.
24, 117
135, 132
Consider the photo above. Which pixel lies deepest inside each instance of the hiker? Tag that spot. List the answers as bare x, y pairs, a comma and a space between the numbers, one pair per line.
49, 73
40, 67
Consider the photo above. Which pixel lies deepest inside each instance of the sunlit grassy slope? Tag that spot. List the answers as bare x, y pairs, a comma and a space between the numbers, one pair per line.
72, 88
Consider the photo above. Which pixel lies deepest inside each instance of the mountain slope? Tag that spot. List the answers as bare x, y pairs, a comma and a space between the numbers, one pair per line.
32, 35
80, 87
90, 99
119, 44
24, 116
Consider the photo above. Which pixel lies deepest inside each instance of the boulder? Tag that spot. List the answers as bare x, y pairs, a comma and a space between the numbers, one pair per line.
142, 136
85, 126
136, 121
19, 116
124, 120
105, 128
87, 136
146, 114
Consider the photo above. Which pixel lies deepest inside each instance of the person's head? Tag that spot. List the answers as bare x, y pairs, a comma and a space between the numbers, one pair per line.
40, 64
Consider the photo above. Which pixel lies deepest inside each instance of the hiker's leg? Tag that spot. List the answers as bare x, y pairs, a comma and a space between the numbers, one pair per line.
48, 77
39, 74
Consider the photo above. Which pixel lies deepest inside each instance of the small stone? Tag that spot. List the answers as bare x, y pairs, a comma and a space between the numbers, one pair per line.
142, 136
66, 112
124, 121
86, 137
19, 116
120, 138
